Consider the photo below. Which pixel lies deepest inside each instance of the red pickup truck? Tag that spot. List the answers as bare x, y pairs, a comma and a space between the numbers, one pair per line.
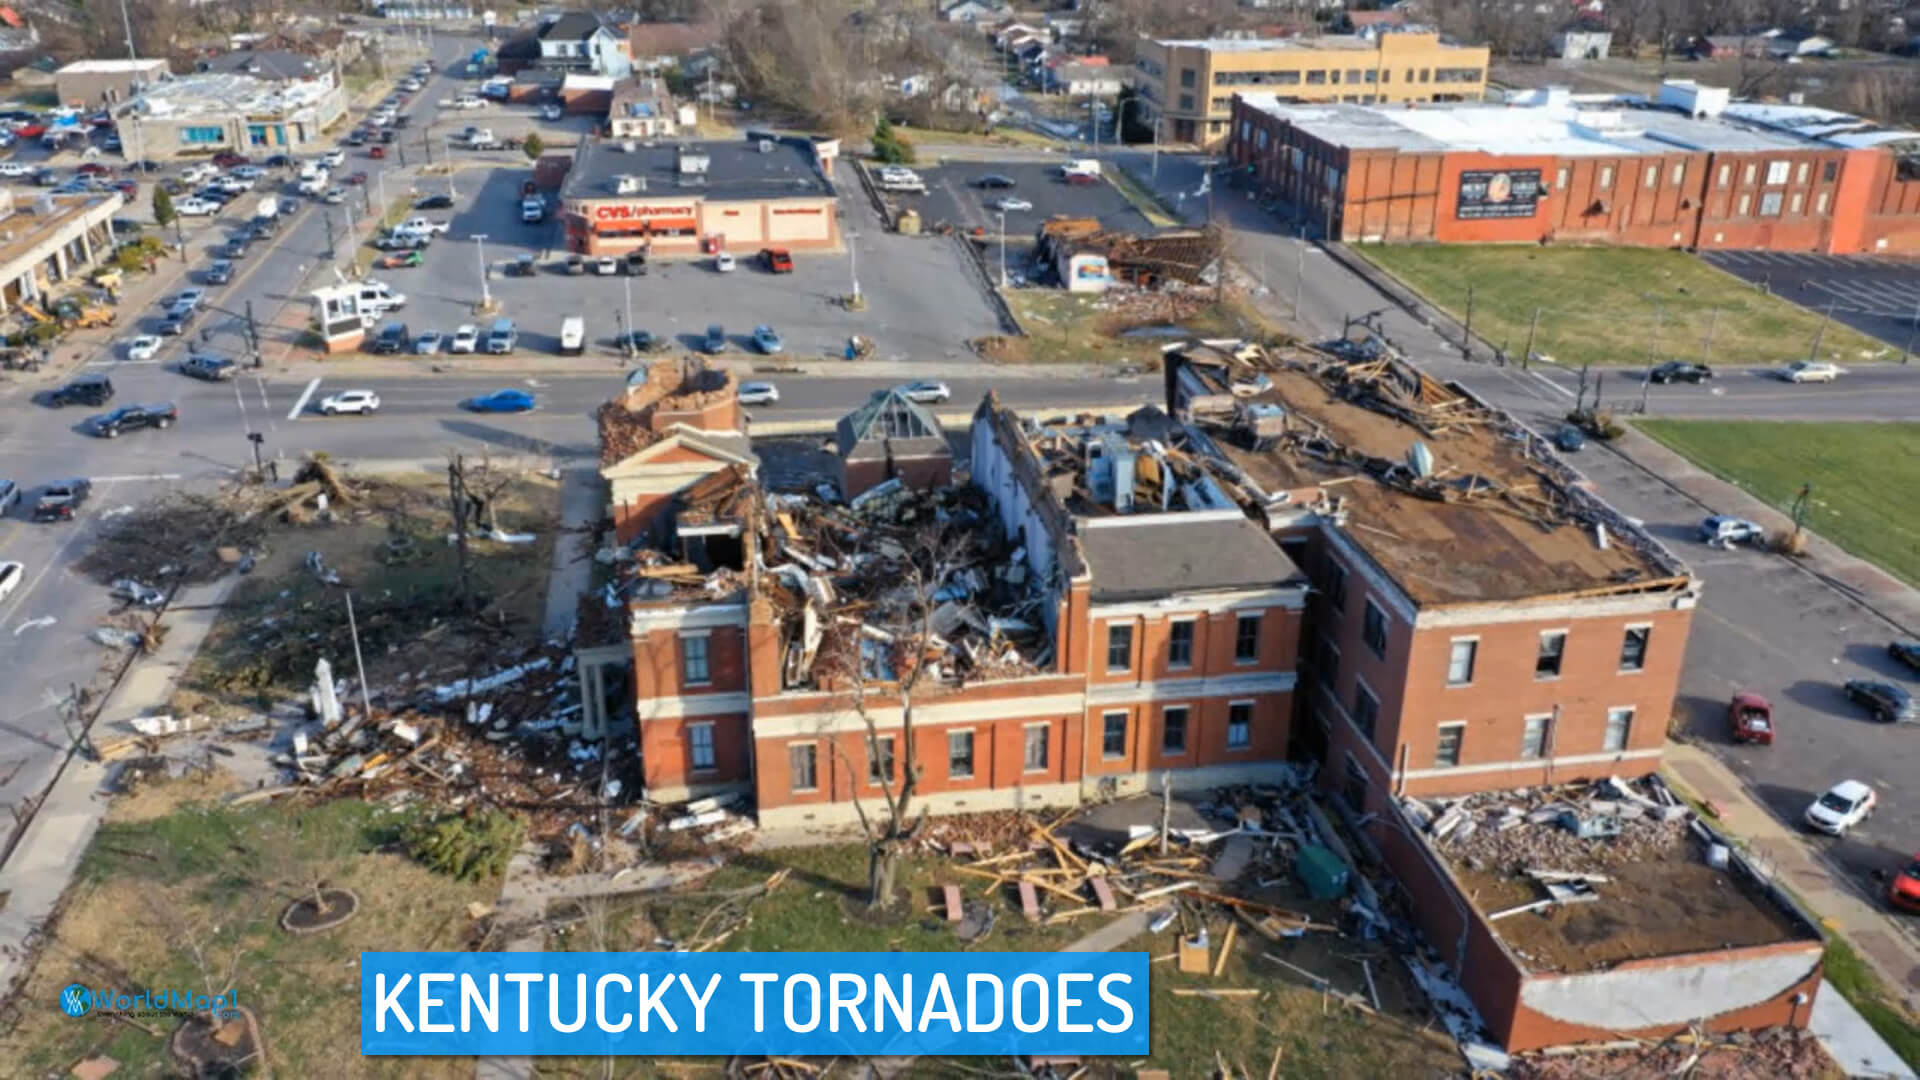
1751, 718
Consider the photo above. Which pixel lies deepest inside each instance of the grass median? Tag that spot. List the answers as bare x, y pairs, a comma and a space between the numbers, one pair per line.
1618, 306
1854, 469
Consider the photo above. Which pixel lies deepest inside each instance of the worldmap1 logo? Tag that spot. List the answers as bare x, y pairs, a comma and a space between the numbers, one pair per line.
77, 1001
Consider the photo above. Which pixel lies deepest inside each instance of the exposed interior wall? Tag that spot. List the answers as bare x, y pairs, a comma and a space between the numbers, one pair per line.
1746, 988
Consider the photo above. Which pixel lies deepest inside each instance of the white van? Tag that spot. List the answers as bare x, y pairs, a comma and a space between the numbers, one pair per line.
379, 296
1080, 167
573, 335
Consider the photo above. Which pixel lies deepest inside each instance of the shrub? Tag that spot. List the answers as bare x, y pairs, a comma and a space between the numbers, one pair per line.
469, 846
163, 213
888, 147
533, 147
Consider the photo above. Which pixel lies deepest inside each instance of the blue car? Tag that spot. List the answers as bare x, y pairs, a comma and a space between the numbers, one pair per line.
766, 340
502, 401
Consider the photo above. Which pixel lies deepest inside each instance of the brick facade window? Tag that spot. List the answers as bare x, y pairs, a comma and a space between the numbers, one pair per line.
803, 760
1355, 788
1246, 639
1533, 741
1033, 756
1240, 725
1777, 172
1770, 203
1830, 171
1366, 709
1446, 751
1337, 586
1679, 173
879, 759
1119, 647
1460, 661
1173, 729
693, 659
1619, 727
1373, 630
1180, 643
1726, 171
1113, 736
959, 755
1187, 77
1633, 648
700, 747
1553, 649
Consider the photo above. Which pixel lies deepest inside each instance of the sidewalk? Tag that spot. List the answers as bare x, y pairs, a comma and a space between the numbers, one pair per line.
1853, 915
36, 875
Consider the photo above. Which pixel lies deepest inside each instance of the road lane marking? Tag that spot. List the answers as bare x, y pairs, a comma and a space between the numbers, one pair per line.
135, 477
34, 624
1554, 386
301, 405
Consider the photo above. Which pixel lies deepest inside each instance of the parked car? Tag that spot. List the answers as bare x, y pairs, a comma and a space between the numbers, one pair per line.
723, 263
195, 206
642, 341
1569, 439
716, 339
1674, 371
334, 196
144, 348
926, 392
401, 260
759, 393
208, 368
230, 160
358, 402
333, 159
393, 338
1750, 718
606, 266
502, 401
62, 499
576, 264
10, 575
1009, 204
465, 339
1841, 807
1721, 529
83, 390
502, 336
1888, 703
220, 272
573, 335
777, 260
1907, 652
428, 343
435, 202
133, 418
1903, 891
993, 181
1802, 371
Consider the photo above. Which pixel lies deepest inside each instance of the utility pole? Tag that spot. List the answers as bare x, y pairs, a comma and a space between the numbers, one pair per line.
1466, 333
1813, 350
1533, 328
353, 629
328, 218
480, 247
1003, 249
253, 335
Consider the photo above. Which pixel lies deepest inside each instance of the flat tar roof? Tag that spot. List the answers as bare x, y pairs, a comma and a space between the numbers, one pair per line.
1503, 522
1565, 130
734, 170
1144, 556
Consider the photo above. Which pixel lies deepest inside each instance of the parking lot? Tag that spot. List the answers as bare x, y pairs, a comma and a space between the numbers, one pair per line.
1874, 295
954, 197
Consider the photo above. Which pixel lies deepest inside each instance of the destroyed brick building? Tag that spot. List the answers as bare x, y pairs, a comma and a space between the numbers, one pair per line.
890, 437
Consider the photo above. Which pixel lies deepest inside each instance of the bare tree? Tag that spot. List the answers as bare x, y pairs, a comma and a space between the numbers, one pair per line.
884, 660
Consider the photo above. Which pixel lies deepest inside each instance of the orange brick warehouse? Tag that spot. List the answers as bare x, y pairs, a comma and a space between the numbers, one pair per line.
1688, 169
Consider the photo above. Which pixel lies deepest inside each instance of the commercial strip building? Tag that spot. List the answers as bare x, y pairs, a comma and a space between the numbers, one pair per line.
701, 197
1187, 86
93, 83
1689, 169
56, 239
210, 113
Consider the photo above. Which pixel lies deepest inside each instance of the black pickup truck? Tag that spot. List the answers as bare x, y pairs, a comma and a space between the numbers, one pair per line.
61, 500
134, 417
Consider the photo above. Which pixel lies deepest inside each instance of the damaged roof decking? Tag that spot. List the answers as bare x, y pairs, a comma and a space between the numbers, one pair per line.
1482, 548
1659, 897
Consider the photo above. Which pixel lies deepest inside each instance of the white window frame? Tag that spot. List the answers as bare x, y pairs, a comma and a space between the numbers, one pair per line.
1473, 659
1606, 178
973, 745
1747, 174
813, 758
1800, 174
1232, 705
1126, 722
1546, 735
1820, 203
1459, 748
1119, 624
1626, 730
1653, 176
705, 638
1679, 173
1726, 173
1565, 637
1778, 171
1046, 747
713, 750
1193, 642
1647, 648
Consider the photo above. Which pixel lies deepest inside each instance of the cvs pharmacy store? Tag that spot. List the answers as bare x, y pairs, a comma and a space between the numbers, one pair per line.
700, 198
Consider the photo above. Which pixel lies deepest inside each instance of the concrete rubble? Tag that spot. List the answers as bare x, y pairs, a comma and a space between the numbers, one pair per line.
1555, 828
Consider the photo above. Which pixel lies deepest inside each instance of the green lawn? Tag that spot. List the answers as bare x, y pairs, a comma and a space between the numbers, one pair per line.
1858, 471
1615, 305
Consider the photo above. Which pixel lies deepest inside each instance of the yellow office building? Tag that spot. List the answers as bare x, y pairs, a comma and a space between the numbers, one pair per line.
1187, 86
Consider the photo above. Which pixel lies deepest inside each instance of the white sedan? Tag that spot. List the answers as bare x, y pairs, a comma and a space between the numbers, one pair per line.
144, 347
1810, 371
10, 575
333, 159
358, 402
1841, 807
15, 168
466, 339
191, 207
759, 393
926, 392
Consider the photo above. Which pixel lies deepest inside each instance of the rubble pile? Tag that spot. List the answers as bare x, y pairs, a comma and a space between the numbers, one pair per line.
1569, 828
631, 422
853, 586
182, 537
1774, 1053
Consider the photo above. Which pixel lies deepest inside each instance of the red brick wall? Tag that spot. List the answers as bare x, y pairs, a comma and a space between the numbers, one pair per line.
1206, 741
915, 472
659, 657
636, 515
666, 756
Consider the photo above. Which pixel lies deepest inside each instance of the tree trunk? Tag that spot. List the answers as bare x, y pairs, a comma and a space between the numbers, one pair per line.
883, 869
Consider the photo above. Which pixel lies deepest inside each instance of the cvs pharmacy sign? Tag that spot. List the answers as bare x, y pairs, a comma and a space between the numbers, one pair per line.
640, 211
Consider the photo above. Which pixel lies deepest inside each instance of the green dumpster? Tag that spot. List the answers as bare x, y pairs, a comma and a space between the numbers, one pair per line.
1322, 872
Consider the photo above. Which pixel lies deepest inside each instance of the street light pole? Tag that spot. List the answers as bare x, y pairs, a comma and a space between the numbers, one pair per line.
480, 249
628, 282
853, 263
139, 146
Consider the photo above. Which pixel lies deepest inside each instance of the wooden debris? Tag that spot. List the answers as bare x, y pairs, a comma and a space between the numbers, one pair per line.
1222, 992
951, 893
1195, 957
1029, 901
1226, 950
